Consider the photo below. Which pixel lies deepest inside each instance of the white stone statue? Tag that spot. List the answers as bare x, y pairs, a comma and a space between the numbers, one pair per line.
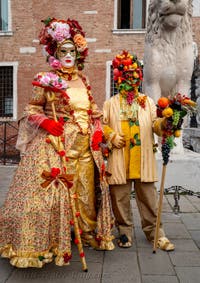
168, 52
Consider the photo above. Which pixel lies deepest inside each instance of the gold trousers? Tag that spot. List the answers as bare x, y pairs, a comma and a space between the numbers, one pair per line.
147, 200
81, 164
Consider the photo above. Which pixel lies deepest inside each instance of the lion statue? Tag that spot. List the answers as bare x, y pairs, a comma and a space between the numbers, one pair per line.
168, 50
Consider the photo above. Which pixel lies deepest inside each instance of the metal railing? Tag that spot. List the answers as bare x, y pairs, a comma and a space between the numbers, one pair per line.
8, 137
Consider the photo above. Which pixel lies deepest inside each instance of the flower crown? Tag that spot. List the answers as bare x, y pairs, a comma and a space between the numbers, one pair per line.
127, 71
55, 32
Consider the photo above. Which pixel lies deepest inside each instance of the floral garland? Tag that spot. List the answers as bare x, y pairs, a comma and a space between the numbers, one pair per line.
173, 108
127, 71
55, 33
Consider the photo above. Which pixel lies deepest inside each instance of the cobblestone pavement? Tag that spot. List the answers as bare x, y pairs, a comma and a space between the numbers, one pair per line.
137, 264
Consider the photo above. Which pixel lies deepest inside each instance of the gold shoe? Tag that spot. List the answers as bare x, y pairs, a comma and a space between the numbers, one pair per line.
165, 245
89, 240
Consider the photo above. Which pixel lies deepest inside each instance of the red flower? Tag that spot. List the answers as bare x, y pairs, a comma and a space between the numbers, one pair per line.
89, 112
103, 167
80, 231
67, 257
89, 87
76, 241
78, 214
55, 172
61, 120
48, 140
96, 140
82, 254
71, 222
61, 153
90, 97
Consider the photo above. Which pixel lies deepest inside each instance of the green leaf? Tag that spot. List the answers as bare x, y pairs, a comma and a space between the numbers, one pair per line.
47, 21
183, 113
40, 257
136, 136
138, 142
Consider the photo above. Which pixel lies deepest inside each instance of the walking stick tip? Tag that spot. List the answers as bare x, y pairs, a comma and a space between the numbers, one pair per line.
85, 270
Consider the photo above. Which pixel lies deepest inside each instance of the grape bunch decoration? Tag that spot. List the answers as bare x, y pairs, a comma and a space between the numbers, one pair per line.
173, 109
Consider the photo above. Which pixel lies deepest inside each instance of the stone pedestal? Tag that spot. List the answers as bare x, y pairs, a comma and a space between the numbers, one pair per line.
182, 170
193, 137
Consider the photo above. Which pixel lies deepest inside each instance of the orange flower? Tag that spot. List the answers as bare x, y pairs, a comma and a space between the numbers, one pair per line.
80, 42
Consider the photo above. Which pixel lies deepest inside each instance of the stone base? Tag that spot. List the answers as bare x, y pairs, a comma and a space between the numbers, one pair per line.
182, 170
193, 137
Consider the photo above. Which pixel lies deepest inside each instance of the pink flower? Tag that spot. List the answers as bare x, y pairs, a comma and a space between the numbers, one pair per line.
54, 63
59, 31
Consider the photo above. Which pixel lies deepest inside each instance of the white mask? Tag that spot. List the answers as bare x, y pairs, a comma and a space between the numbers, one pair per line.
67, 55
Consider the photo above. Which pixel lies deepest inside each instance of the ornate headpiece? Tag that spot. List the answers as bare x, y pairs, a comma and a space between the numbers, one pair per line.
127, 71
56, 32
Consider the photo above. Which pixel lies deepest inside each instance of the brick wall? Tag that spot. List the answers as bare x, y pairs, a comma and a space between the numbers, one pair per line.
98, 24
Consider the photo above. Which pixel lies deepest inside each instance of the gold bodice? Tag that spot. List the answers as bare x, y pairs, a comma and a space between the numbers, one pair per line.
80, 104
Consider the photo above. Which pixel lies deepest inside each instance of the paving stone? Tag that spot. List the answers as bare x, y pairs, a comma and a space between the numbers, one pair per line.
53, 273
191, 221
159, 279
5, 270
185, 244
155, 264
136, 218
195, 201
176, 230
166, 207
6, 175
184, 203
185, 258
170, 217
196, 237
188, 274
141, 240
122, 268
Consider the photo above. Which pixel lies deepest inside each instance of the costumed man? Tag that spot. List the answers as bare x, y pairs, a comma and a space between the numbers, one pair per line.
129, 122
59, 138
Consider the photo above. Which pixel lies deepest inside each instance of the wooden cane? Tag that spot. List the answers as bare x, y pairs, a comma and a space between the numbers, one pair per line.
159, 208
51, 98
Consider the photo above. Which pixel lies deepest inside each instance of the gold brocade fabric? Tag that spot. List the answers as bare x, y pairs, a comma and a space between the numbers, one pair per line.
81, 164
80, 107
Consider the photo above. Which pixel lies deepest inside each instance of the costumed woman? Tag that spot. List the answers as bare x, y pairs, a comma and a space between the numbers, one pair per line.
59, 138
130, 119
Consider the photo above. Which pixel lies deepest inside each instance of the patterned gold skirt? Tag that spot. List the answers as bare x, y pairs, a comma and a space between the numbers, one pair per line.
35, 220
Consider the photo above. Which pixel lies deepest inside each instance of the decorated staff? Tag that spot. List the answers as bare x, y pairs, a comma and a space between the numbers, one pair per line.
171, 110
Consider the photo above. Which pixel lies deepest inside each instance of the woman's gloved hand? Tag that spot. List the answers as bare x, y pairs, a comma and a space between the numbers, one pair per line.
118, 141
52, 127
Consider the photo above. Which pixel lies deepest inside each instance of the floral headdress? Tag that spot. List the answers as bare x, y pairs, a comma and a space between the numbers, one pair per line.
127, 71
55, 32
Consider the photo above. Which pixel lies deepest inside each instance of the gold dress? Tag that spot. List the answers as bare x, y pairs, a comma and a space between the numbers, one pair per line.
36, 218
